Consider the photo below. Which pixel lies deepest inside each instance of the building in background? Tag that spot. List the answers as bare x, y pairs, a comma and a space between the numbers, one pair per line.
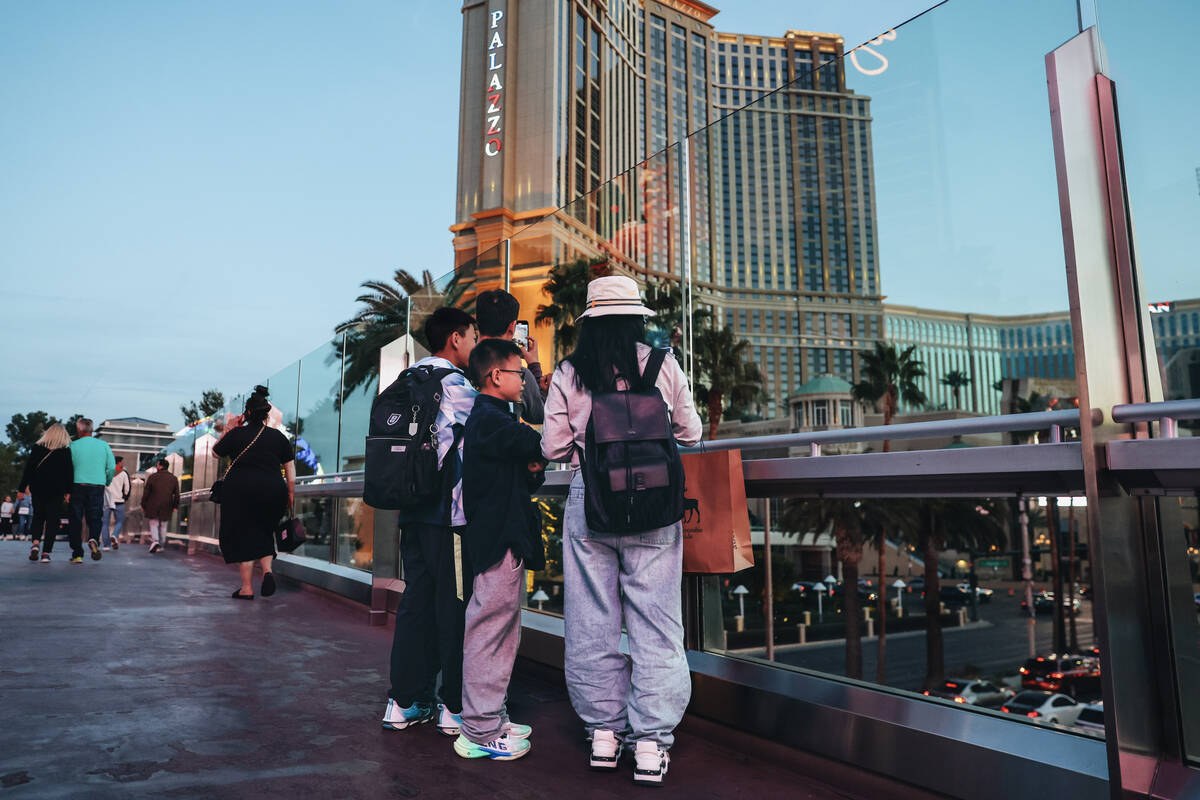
596, 131
1036, 348
138, 440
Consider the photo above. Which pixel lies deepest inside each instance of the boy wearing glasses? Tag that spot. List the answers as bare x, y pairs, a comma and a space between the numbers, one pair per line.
502, 466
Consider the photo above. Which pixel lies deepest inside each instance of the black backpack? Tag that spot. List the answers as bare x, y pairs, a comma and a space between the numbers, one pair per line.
632, 473
401, 470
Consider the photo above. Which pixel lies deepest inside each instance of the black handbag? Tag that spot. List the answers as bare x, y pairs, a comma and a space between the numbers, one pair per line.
289, 534
214, 491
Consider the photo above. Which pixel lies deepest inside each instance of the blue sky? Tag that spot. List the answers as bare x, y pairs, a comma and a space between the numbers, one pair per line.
191, 193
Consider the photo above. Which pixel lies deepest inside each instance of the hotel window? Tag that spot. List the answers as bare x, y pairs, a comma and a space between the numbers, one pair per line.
845, 413
820, 413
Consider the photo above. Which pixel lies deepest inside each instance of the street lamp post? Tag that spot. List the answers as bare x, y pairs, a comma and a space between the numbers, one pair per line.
820, 590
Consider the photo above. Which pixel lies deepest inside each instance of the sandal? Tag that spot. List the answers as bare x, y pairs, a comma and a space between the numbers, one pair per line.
237, 595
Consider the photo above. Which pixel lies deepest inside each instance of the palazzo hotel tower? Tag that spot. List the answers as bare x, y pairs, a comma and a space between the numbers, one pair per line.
572, 129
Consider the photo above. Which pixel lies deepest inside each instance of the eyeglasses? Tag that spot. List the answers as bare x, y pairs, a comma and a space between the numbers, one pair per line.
520, 372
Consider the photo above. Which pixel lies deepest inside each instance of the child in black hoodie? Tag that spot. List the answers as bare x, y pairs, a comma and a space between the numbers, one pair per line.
502, 466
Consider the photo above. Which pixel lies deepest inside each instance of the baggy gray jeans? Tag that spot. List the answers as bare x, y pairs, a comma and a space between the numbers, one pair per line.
492, 634
635, 577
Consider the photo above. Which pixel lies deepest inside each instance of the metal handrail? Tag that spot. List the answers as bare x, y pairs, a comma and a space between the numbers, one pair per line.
1055, 421
330, 477
1166, 413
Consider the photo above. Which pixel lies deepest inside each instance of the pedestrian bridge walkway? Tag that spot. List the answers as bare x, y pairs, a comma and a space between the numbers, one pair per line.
138, 676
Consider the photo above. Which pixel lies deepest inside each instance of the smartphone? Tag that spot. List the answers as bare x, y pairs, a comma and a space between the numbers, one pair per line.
521, 334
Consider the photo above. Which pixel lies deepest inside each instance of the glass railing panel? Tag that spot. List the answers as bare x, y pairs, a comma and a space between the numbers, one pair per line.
948, 617
844, 223
284, 387
316, 433
1149, 57
317, 515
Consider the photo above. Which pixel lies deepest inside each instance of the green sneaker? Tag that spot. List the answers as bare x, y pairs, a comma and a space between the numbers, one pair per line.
515, 730
77, 560
501, 749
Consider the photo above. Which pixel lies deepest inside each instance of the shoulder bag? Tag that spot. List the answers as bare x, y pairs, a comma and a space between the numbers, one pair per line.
214, 493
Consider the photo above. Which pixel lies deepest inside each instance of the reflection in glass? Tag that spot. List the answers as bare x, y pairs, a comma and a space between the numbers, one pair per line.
355, 533
316, 513
316, 431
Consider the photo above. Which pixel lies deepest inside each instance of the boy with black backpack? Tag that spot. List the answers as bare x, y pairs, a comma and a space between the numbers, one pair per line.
414, 464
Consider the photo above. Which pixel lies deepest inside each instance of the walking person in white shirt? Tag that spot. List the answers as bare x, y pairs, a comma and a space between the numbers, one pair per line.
6, 517
115, 495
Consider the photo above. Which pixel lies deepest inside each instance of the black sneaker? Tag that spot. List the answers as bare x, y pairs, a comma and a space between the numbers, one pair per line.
33, 553
94, 546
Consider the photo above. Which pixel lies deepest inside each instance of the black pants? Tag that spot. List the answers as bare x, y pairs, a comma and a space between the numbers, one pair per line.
47, 511
87, 504
429, 620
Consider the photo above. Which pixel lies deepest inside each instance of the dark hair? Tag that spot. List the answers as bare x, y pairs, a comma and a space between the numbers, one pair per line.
608, 347
495, 310
442, 323
489, 354
163, 464
119, 459
257, 405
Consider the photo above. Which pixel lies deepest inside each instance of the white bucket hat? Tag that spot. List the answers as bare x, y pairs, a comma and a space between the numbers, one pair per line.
613, 295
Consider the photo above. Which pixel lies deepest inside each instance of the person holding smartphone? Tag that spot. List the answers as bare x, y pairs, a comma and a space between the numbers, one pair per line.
497, 313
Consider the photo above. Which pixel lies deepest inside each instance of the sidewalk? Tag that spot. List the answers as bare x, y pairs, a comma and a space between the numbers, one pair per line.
138, 676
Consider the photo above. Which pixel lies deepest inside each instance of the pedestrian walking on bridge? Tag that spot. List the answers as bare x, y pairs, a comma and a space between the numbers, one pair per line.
47, 479
94, 466
160, 498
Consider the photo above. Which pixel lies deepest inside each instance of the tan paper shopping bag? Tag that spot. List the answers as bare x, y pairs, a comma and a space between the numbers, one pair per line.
716, 522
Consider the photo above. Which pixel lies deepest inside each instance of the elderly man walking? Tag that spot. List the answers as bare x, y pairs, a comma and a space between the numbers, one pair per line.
95, 468
160, 497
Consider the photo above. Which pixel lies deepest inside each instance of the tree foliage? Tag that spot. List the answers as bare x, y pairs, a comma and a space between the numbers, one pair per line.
566, 287
211, 401
25, 429
724, 378
888, 376
386, 307
957, 380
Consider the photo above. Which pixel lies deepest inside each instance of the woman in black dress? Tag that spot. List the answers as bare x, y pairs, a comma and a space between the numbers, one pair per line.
48, 476
255, 493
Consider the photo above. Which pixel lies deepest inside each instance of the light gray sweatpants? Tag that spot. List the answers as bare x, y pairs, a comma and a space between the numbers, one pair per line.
636, 578
490, 641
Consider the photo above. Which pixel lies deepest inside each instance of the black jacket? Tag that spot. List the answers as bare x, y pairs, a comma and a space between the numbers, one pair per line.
48, 472
497, 484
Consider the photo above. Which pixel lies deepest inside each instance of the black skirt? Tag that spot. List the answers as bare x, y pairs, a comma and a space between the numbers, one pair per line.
252, 503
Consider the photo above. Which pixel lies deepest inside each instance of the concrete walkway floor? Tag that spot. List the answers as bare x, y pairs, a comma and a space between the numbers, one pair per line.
139, 676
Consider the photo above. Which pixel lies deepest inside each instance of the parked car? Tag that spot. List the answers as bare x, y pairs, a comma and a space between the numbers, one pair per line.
982, 593
1046, 707
1078, 675
1091, 718
971, 692
1043, 603
1196, 600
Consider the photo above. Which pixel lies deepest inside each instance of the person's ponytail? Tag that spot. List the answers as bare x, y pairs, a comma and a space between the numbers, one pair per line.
258, 407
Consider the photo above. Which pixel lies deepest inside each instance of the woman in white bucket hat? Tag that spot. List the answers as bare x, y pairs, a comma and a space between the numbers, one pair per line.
610, 578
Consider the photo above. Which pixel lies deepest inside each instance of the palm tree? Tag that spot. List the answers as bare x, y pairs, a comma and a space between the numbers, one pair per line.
889, 377
961, 524
724, 378
567, 289
387, 307
851, 522
904, 520
957, 381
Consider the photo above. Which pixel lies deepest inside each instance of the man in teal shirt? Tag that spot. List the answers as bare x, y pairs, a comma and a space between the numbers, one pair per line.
95, 467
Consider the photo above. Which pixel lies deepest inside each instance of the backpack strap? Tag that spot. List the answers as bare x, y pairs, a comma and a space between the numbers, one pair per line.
653, 366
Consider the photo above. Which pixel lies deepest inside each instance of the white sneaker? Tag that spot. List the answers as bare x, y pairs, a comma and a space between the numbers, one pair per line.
155, 547
448, 723
652, 760
606, 750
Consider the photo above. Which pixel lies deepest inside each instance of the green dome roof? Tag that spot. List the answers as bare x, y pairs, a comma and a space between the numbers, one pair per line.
825, 384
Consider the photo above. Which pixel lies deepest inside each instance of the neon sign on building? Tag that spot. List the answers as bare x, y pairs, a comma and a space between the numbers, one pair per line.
494, 113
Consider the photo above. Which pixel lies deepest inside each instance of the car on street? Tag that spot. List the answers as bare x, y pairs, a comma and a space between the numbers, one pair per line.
1091, 718
1045, 707
971, 692
1077, 675
954, 596
1196, 600
982, 593
1043, 603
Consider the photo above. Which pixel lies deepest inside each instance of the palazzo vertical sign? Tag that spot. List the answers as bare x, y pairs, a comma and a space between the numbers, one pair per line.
494, 105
